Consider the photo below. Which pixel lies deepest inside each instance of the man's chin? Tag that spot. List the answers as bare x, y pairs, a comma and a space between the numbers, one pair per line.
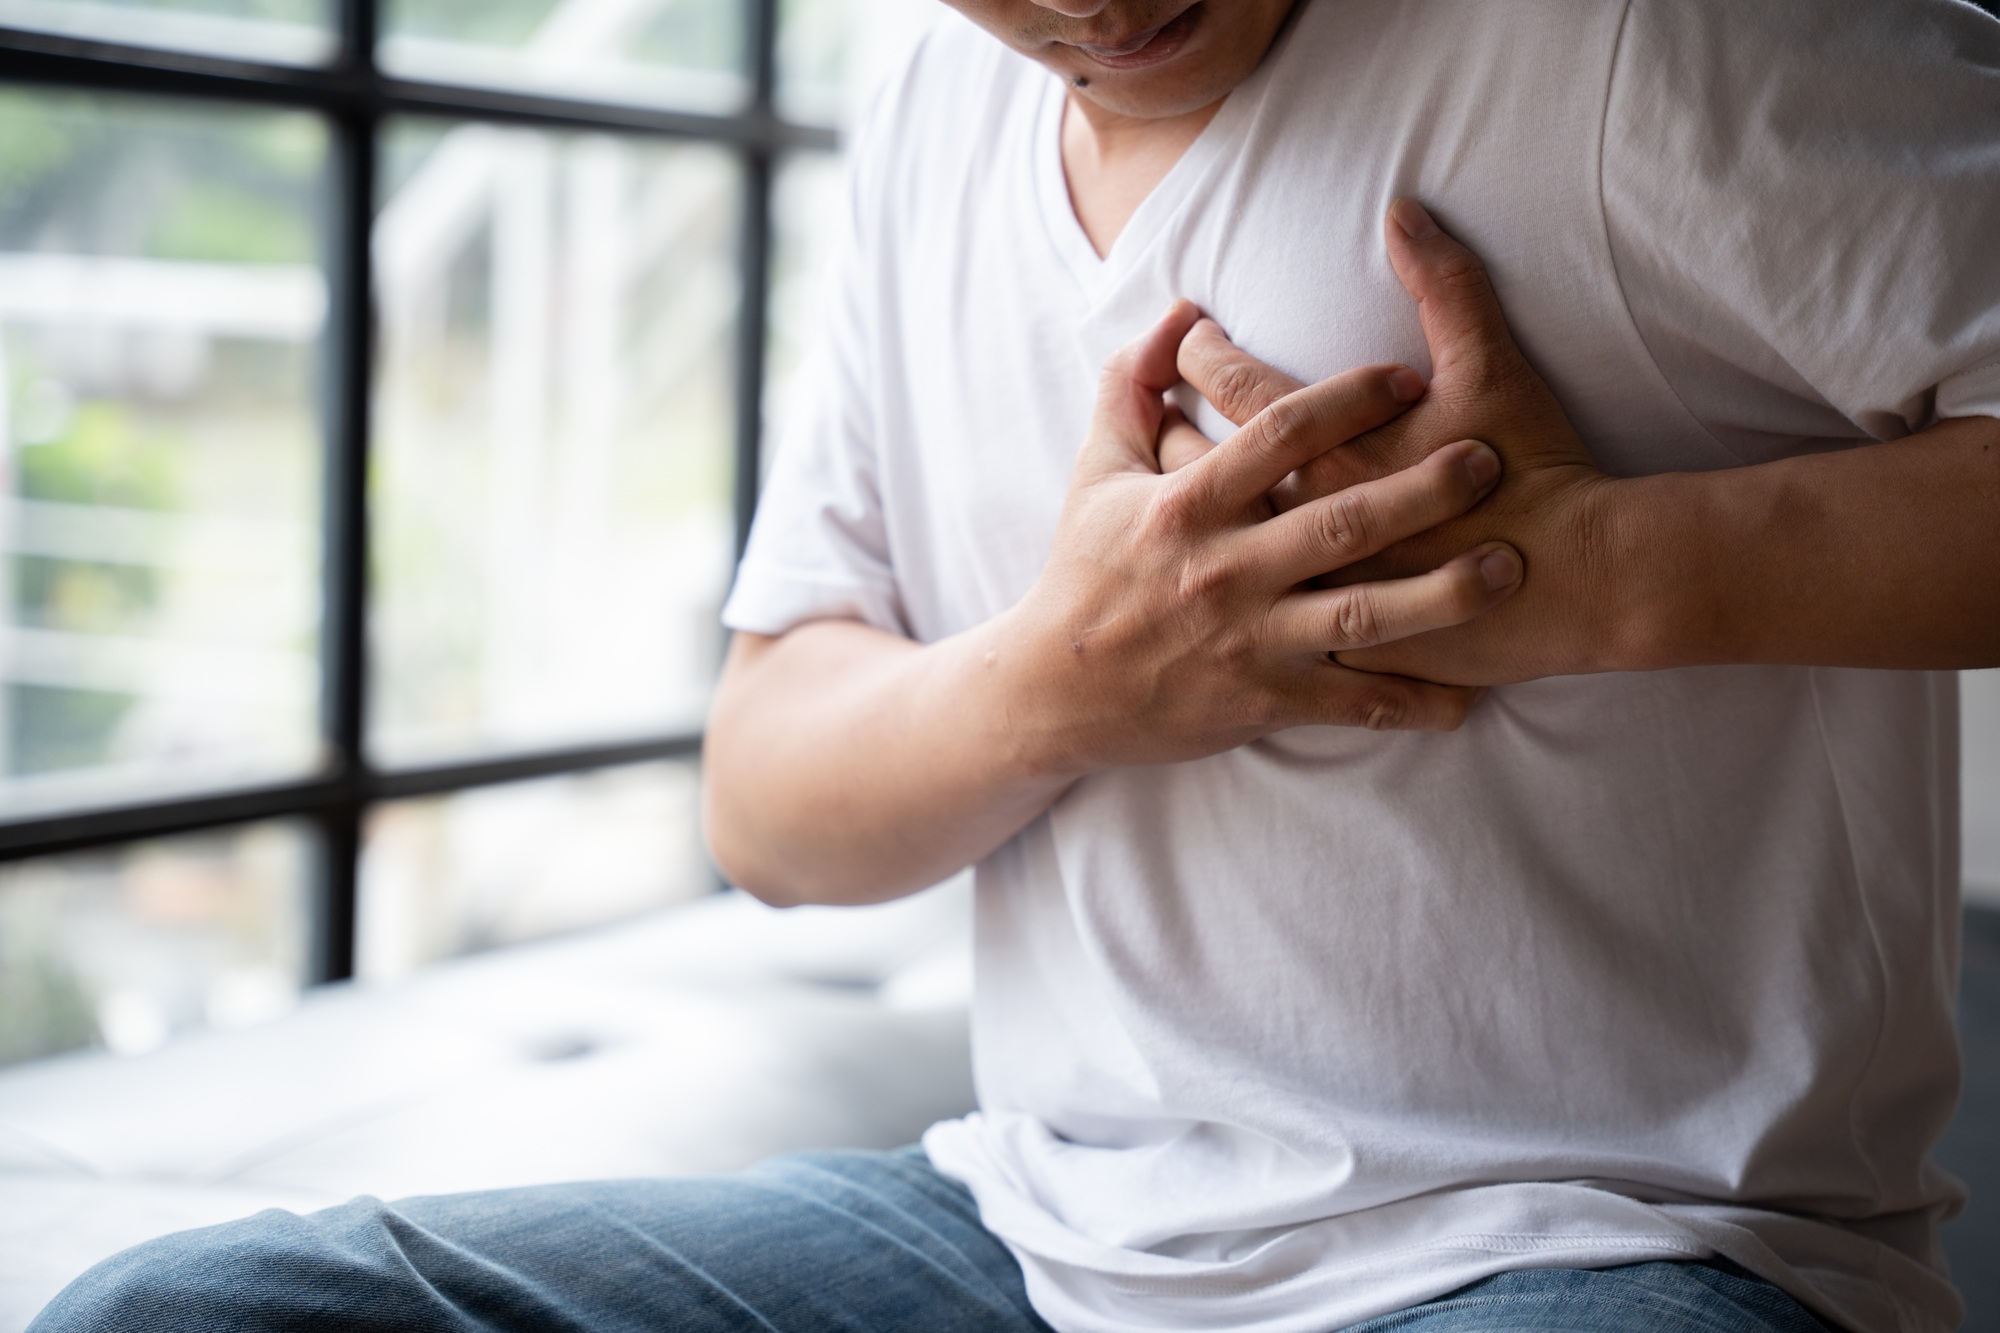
1168, 89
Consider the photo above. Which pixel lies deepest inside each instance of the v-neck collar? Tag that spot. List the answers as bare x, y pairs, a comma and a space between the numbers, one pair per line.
1154, 213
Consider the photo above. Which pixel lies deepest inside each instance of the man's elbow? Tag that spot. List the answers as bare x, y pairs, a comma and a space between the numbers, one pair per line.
750, 856
739, 854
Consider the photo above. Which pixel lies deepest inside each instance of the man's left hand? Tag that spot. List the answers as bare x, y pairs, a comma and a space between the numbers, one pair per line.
1550, 504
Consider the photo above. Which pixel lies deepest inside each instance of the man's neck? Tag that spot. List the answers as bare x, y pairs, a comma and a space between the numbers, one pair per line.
1112, 161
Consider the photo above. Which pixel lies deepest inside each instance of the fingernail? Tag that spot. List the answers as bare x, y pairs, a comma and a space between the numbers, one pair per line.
1482, 465
1406, 384
1500, 567
1411, 217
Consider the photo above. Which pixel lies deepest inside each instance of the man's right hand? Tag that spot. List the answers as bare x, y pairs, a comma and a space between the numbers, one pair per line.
1172, 620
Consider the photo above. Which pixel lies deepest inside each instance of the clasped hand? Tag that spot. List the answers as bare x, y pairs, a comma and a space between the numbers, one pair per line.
1333, 562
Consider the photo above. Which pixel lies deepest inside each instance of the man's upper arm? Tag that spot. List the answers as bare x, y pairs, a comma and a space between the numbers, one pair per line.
819, 548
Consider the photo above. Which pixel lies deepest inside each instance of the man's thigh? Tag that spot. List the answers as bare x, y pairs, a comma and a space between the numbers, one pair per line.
818, 1242
1717, 1297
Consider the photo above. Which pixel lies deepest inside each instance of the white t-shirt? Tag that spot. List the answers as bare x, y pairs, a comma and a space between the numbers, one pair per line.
1643, 966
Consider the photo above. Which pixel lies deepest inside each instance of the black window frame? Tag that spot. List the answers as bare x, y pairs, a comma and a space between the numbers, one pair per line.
354, 96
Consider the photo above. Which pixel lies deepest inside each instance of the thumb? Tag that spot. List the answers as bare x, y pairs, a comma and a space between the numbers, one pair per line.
1463, 323
1125, 428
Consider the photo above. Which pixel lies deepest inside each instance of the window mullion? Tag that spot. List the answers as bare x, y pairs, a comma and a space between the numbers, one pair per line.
345, 574
359, 22
758, 173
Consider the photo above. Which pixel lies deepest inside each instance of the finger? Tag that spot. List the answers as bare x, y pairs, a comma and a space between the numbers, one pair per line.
1463, 322
1235, 383
1341, 696
1180, 443
1125, 425
1364, 615
1355, 523
1298, 427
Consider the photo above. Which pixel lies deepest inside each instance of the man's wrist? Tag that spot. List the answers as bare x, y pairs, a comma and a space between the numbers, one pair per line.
1031, 705
1662, 600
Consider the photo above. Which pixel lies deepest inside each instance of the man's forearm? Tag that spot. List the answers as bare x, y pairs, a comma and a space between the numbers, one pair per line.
846, 765
1883, 555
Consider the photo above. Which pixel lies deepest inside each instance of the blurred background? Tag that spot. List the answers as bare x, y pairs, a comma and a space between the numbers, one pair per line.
555, 431
383, 390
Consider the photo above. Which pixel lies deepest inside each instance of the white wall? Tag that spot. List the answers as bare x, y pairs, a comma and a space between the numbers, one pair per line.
1982, 786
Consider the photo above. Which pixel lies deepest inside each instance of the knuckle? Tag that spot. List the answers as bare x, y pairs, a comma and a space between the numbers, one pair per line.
1343, 527
1280, 427
1464, 272
1275, 708
1356, 620
1381, 710
1200, 579
1233, 389
1175, 510
1258, 712
1241, 651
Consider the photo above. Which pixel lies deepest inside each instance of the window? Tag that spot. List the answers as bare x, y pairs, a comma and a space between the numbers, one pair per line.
382, 385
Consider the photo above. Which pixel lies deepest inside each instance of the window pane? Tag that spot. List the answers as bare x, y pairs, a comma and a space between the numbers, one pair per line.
162, 306
685, 54
553, 426
286, 32
126, 948
505, 864
833, 53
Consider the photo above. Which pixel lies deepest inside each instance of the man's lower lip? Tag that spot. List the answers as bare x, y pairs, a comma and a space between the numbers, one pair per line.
1165, 42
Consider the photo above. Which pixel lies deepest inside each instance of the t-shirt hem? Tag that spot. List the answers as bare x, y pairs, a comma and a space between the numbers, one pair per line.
1591, 1251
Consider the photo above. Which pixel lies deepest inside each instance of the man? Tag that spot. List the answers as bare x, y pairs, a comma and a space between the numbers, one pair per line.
1314, 989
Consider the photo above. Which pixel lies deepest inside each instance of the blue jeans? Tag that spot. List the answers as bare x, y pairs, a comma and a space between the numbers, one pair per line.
820, 1243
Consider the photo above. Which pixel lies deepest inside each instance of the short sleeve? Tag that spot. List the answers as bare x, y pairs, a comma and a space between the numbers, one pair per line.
1803, 204
818, 548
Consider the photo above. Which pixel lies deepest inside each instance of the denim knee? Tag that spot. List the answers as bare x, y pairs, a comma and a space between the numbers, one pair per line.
269, 1272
